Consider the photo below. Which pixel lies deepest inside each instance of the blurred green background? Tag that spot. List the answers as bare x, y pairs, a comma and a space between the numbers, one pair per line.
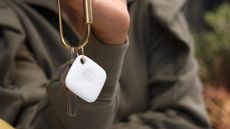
209, 21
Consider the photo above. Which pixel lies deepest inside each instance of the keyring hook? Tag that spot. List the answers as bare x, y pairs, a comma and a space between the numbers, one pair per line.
87, 6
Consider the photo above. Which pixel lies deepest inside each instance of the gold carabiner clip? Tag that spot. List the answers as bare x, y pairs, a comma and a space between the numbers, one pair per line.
88, 17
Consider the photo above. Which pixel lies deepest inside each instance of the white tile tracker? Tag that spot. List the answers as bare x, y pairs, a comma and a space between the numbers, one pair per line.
86, 79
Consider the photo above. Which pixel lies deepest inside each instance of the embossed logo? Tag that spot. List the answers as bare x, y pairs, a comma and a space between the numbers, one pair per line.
88, 76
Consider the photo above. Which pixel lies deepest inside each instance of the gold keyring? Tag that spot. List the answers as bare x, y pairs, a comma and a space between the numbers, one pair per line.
87, 5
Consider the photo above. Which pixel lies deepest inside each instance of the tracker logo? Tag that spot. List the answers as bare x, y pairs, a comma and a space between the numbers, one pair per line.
88, 76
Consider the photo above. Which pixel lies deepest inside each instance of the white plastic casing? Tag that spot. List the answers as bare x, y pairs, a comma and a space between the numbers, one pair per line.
86, 80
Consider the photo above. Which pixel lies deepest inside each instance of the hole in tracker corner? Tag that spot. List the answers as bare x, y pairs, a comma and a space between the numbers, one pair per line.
82, 60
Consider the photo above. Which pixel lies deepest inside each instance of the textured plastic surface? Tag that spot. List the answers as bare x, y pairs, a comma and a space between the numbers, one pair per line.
86, 79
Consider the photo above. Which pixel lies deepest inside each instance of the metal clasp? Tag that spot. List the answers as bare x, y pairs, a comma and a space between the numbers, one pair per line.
88, 17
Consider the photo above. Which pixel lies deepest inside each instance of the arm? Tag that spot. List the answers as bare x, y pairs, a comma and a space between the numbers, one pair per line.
99, 114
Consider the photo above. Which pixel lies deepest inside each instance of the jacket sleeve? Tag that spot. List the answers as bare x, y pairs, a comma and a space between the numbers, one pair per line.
174, 87
29, 100
97, 115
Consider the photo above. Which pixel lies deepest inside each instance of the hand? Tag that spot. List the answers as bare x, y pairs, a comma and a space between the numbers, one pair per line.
111, 19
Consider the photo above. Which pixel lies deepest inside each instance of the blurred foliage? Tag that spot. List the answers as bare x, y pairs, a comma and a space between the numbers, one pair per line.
213, 52
213, 47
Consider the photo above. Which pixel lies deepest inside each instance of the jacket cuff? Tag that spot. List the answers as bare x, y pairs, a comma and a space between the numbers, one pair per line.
110, 58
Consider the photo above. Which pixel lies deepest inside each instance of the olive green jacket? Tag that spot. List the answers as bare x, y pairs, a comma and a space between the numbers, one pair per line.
152, 84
